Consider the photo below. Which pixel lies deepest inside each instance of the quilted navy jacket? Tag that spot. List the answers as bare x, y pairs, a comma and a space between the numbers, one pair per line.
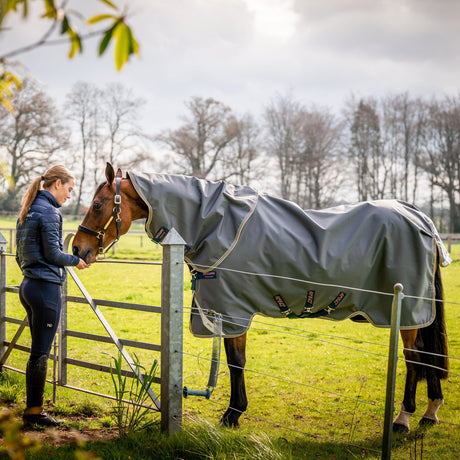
39, 241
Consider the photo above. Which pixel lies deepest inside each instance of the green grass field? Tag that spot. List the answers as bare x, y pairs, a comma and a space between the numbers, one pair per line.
316, 388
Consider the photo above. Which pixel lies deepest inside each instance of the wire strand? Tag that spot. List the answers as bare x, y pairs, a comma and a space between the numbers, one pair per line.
330, 335
285, 379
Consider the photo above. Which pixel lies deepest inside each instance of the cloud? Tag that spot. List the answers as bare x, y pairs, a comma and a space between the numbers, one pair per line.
273, 19
401, 30
243, 52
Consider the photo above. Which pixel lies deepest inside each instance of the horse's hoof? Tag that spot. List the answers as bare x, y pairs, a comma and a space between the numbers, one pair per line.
427, 422
229, 423
229, 420
398, 428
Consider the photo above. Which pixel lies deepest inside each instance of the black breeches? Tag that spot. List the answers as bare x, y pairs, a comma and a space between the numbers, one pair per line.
43, 302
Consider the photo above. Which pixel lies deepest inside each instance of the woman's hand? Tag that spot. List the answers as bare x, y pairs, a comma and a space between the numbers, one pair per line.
82, 265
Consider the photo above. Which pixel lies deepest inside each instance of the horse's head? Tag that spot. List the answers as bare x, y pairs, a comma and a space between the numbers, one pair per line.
109, 216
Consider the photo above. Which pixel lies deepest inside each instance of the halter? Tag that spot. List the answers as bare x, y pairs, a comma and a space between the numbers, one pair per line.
115, 215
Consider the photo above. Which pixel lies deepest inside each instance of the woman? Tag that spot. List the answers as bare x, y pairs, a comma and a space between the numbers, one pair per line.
41, 258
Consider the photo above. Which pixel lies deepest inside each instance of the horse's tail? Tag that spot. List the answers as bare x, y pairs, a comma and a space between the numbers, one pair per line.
434, 336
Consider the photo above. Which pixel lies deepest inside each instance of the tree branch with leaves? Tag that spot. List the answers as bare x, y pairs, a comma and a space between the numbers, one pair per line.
62, 18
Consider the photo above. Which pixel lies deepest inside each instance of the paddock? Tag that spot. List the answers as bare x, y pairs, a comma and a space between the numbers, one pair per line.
286, 400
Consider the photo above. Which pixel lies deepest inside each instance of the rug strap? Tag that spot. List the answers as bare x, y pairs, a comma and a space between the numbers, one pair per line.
307, 312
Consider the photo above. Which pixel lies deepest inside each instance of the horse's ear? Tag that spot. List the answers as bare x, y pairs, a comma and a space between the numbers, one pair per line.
119, 173
109, 173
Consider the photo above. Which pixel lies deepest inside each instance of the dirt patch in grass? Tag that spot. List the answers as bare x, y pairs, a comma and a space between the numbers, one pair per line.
63, 435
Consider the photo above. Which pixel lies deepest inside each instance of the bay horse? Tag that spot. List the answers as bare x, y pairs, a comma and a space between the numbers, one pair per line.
227, 226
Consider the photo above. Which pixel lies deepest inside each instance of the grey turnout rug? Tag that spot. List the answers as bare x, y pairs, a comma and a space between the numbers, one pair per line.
251, 254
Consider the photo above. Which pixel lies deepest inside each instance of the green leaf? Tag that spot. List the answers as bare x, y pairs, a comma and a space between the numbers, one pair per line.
11, 5
122, 46
49, 5
5, 88
51, 11
7, 104
100, 17
12, 78
25, 11
109, 3
7, 81
106, 39
133, 44
65, 26
75, 43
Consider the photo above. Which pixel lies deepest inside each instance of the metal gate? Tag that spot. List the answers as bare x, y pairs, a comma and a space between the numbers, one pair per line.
170, 401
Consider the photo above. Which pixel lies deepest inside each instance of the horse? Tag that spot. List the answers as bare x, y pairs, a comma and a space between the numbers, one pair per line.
373, 244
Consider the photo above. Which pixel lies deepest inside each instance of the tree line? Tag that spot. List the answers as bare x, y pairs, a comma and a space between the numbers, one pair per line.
395, 146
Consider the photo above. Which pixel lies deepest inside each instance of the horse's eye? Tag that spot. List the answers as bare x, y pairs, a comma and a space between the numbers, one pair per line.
97, 206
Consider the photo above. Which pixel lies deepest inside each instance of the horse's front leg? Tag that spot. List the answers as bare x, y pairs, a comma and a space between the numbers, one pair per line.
235, 349
401, 422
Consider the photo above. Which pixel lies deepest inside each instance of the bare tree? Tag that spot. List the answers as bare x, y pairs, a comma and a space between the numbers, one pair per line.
319, 168
82, 108
402, 127
372, 168
240, 164
284, 122
31, 137
442, 153
305, 142
123, 138
201, 143
105, 129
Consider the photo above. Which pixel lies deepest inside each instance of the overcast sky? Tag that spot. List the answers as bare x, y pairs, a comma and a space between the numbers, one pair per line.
244, 52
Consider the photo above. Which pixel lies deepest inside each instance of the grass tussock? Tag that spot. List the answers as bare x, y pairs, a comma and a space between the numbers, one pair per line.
11, 388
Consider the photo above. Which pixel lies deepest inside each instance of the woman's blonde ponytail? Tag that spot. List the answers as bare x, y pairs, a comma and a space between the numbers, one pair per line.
29, 198
52, 175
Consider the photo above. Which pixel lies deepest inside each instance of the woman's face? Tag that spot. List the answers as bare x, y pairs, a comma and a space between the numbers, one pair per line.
62, 191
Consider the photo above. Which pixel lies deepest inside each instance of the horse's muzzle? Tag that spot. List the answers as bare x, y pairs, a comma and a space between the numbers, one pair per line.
86, 255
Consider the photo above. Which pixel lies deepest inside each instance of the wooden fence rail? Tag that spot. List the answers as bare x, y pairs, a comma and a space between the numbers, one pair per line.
450, 238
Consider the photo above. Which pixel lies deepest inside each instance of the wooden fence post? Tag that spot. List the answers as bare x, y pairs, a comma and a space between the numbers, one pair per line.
391, 373
172, 294
3, 244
